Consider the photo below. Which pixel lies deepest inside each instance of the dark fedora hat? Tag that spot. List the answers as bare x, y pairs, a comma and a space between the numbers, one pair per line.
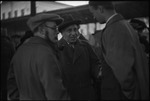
138, 24
39, 19
68, 20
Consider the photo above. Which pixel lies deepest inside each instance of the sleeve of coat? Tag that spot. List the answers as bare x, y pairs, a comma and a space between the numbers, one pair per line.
94, 62
120, 56
50, 75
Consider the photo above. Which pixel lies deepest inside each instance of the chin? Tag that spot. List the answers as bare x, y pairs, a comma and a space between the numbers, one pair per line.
72, 41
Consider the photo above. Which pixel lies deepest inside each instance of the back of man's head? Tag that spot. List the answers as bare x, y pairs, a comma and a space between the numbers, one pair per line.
106, 4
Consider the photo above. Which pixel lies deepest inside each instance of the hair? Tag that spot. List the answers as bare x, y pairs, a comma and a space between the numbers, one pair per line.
106, 4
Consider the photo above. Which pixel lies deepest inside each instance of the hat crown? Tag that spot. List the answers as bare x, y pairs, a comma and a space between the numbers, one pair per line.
68, 18
139, 23
37, 20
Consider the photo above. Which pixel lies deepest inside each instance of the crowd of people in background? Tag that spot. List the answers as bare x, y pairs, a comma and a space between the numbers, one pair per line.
111, 65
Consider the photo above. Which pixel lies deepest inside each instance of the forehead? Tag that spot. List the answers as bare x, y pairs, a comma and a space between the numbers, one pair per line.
51, 23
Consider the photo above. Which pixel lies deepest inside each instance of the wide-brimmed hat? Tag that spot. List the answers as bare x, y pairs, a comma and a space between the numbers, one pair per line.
138, 24
68, 20
39, 19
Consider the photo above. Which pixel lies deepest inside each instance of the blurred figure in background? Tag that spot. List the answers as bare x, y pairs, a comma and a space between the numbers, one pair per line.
16, 40
28, 34
143, 33
7, 52
81, 37
94, 41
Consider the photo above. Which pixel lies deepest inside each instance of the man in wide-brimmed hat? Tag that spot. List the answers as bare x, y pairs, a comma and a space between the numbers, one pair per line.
143, 33
78, 61
35, 64
70, 21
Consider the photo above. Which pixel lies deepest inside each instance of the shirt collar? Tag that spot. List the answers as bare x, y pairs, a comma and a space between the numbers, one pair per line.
111, 17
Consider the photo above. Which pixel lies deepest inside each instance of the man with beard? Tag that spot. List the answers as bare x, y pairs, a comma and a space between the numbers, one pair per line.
35, 67
80, 65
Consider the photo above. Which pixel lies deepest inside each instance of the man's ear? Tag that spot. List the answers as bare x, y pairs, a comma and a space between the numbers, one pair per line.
42, 30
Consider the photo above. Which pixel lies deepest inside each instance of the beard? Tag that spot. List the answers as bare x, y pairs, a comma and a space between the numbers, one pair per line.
49, 38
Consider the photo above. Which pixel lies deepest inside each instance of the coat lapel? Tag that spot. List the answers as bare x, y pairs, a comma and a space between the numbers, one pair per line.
78, 51
116, 18
66, 50
69, 54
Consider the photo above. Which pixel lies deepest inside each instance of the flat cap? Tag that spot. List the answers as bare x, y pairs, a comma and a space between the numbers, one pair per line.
39, 19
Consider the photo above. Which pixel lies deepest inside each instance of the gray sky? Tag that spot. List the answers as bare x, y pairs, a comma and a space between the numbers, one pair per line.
74, 3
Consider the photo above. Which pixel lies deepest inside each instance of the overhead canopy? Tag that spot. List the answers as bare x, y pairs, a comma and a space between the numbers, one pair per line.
129, 9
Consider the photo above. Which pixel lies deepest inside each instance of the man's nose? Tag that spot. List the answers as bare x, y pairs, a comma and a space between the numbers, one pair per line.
73, 33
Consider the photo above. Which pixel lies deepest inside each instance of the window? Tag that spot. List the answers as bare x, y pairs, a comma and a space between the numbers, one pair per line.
22, 12
9, 14
16, 13
44, 11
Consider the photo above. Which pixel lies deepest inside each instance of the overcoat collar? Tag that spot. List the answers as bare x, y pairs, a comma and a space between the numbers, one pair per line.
78, 49
39, 40
114, 19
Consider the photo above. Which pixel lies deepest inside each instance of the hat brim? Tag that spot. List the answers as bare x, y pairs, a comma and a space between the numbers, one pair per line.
65, 25
37, 23
58, 21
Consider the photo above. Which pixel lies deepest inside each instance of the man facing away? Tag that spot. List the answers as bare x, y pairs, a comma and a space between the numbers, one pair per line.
125, 73
35, 67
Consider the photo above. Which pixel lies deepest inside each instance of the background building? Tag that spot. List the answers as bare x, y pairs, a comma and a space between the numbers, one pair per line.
14, 14
13, 9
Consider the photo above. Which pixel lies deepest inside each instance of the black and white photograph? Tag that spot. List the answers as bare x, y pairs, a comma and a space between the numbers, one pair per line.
74, 50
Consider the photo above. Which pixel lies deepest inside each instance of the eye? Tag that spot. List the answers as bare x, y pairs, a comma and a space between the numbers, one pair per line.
69, 30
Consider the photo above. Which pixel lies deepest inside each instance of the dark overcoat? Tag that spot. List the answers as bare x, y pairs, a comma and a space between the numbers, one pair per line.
79, 66
36, 71
128, 66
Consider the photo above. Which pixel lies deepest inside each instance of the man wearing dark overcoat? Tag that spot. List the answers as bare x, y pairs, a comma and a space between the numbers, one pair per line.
35, 70
79, 63
125, 73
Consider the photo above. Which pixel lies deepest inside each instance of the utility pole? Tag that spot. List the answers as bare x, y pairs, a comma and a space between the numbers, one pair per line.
33, 7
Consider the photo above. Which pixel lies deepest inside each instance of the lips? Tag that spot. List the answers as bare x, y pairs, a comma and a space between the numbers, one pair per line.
72, 37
